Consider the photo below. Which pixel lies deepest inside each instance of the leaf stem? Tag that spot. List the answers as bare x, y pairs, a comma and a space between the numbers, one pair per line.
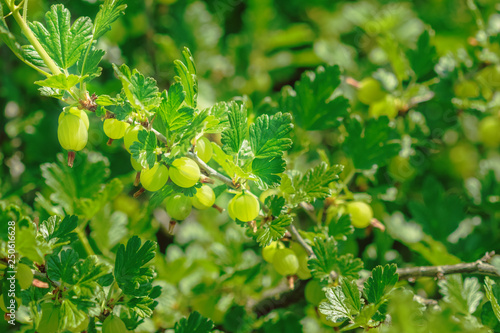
32, 39
85, 242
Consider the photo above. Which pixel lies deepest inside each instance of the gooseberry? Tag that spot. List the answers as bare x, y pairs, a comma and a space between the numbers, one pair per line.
178, 206
114, 128
361, 214
285, 262
185, 172
154, 178
204, 149
245, 206
204, 197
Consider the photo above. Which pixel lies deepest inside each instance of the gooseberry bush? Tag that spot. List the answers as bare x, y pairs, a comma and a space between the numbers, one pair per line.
335, 221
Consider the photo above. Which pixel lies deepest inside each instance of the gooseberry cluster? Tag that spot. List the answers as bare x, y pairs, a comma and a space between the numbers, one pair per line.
371, 93
183, 172
287, 261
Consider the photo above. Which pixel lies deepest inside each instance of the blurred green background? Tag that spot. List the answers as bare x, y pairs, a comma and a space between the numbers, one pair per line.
253, 49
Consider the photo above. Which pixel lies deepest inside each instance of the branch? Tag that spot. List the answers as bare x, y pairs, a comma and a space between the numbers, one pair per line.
212, 172
478, 267
301, 241
280, 299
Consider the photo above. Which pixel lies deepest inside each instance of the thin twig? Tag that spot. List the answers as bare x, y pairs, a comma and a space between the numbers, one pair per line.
477, 267
280, 297
212, 172
301, 240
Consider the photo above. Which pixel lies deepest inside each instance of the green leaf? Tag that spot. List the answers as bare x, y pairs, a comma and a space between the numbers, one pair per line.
88, 274
50, 92
340, 227
268, 135
88, 207
405, 311
105, 100
439, 213
84, 180
424, 57
195, 323
88, 66
63, 42
380, 283
234, 135
349, 266
371, 143
311, 101
108, 229
352, 295
363, 319
131, 276
326, 258
336, 308
29, 245
61, 81
70, 316
217, 119
173, 118
275, 204
57, 231
463, 295
8, 38
144, 150
269, 170
273, 230
60, 267
109, 12
142, 306
142, 93
185, 135
493, 295
25, 52
186, 75
314, 184
227, 164
31, 55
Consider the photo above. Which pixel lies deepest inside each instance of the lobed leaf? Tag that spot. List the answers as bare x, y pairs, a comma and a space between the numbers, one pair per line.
273, 230
381, 282
63, 42
268, 135
312, 102
237, 131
